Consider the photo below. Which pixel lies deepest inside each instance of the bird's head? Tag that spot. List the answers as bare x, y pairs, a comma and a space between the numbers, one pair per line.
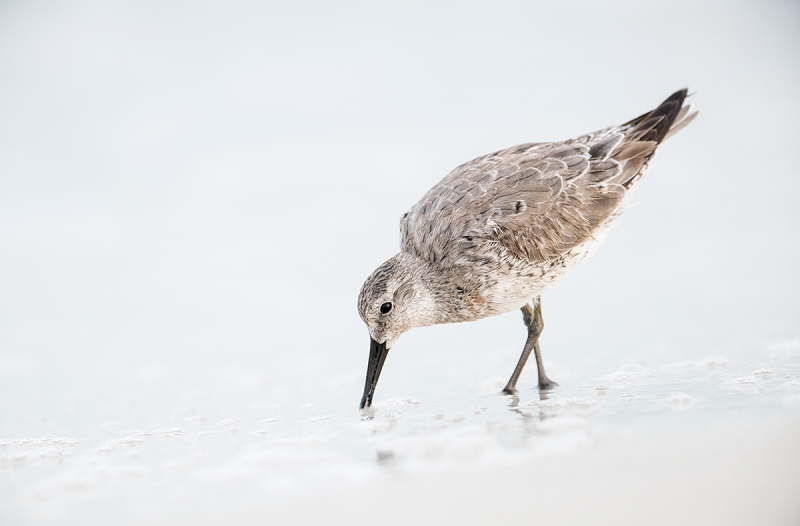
394, 299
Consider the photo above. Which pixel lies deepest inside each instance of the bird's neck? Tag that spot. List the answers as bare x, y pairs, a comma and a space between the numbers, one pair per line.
442, 296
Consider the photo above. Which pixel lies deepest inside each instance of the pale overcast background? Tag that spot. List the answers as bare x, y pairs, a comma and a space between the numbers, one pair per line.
192, 193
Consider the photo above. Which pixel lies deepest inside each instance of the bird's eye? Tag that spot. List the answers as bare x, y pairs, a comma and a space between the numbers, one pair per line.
386, 307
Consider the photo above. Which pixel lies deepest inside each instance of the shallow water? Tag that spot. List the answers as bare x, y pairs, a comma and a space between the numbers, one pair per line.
235, 448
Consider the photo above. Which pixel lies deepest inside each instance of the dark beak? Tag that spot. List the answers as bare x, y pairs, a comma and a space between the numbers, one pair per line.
377, 355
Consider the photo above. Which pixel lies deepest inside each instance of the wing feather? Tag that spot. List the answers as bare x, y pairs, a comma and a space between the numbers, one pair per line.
536, 201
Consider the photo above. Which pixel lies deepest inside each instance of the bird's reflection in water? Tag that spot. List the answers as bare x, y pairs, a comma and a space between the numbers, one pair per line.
530, 418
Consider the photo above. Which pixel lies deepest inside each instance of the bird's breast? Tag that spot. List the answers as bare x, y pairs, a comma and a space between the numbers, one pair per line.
504, 288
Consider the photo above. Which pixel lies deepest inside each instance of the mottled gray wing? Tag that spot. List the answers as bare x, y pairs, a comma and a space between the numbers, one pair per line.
536, 201
527, 200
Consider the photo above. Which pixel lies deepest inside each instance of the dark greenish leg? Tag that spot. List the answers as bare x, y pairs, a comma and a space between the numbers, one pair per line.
532, 316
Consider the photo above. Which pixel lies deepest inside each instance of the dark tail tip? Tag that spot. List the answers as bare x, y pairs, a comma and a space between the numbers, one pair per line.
658, 122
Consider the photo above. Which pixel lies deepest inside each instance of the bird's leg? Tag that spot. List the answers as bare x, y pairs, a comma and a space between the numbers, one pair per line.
532, 317
538, 323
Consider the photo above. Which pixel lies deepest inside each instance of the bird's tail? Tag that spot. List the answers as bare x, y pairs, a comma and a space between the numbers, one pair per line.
645, 133
670, 117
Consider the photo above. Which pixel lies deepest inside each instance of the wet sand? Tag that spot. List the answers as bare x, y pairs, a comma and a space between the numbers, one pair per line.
739, 474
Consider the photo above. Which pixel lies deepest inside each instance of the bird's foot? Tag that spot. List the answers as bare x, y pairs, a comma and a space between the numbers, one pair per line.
510, 391
546, 383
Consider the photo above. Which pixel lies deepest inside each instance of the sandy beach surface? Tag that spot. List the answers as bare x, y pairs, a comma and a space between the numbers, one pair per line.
734, 474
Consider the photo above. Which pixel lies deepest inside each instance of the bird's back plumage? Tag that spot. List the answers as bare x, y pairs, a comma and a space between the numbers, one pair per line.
535, 202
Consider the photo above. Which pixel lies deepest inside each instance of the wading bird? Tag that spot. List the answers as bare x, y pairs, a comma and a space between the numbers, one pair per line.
499, 230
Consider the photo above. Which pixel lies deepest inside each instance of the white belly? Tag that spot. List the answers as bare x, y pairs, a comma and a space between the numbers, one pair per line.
521, 285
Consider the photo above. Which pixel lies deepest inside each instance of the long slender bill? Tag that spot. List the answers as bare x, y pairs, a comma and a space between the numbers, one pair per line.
377, 355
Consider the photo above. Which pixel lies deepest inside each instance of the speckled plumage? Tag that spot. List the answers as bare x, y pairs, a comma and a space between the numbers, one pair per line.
499, 230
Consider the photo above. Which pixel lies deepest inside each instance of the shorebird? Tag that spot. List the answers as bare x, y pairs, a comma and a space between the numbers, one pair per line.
499, 230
